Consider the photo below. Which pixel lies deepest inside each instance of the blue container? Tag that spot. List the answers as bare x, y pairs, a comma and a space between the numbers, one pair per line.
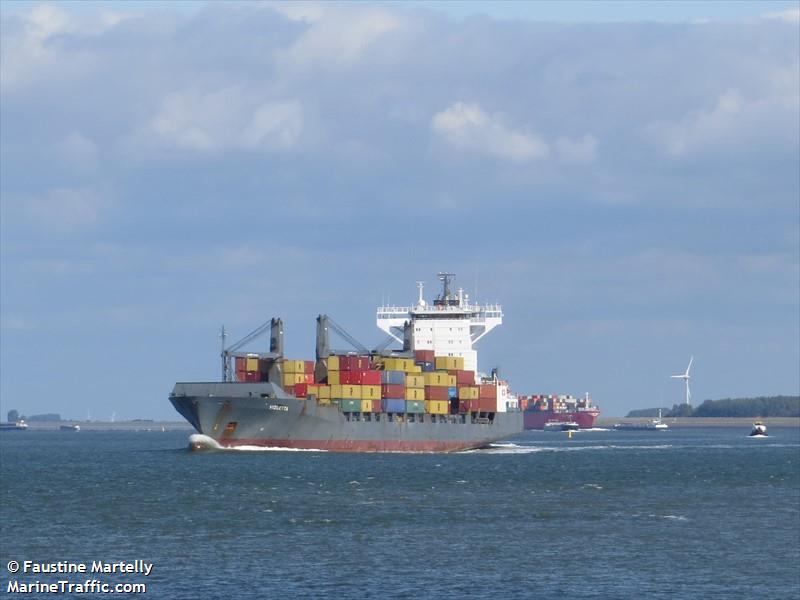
393, 405
393, 377
427, 367
452, 393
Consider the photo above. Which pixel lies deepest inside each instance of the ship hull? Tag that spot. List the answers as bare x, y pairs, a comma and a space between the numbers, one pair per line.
536, 419
262, 414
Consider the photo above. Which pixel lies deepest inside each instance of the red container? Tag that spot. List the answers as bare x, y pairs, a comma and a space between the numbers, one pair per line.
463, 406
393, 390
436, 392
376, 405
473, 405
421, 356
252, 376
347, 378
465, 377
309, 377
487, 404
241, 363
353, 363
309, 366
301, 389
370, 378
487, 392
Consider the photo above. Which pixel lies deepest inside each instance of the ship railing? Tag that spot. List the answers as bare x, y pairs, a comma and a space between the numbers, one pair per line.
486, 310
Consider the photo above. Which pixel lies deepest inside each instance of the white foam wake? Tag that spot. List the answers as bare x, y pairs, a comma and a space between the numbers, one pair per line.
201, 442
510, 448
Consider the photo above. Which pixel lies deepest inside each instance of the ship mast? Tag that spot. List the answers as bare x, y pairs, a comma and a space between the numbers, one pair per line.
225, 365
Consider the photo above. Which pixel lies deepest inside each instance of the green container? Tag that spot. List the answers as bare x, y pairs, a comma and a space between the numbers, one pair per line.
415, 406
348, 405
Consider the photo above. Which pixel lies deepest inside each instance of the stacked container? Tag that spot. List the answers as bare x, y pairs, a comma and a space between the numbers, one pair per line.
247, 369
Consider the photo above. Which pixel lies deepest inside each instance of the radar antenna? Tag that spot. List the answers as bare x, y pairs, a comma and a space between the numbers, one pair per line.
445, 299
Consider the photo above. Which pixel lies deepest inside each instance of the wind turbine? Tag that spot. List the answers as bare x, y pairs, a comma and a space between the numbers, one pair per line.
686, 377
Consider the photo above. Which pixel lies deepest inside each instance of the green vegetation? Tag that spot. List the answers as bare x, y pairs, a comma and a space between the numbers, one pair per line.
650, 413
776, 406
45, 417
773, 406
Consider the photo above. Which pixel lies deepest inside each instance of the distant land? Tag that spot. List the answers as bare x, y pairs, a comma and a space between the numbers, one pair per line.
763, 406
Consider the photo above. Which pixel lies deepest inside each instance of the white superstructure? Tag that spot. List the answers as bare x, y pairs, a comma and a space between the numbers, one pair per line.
450, 326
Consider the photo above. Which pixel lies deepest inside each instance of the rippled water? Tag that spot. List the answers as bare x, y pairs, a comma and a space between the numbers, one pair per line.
692, 513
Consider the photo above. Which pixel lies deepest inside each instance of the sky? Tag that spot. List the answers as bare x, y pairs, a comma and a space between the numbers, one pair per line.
624, 178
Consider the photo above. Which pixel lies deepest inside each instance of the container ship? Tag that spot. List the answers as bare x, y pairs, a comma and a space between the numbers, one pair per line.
426, 396
546, 411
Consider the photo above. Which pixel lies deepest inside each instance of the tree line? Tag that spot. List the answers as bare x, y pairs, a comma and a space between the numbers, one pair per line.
762, 406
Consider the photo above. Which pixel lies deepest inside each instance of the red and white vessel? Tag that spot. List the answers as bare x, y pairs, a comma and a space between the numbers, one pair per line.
539, 410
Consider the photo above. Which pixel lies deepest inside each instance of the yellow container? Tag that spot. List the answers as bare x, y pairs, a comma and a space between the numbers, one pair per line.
324, 401
415, 393
371, 392
449, 363
333, 377
414, 369
352, 392
324, 392
333, 363
294, 366
452, 381
437, 407
252, 364
312, 390
336, 391
436, 378
415, 381
398, 364
293, 378
366, 406
468, 392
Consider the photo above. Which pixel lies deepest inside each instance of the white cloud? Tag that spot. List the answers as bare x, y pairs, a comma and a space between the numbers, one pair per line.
790, 15
30, 48
277, 124
735, 121
225, 119
67, 210
468, 128
78, 152
336, 34
583, 150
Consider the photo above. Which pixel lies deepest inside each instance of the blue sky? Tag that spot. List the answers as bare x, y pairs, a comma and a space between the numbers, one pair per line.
624, 179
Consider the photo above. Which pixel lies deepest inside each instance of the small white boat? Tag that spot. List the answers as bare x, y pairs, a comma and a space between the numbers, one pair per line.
74, 427
759, 429
651, 425
20, 425
561, 426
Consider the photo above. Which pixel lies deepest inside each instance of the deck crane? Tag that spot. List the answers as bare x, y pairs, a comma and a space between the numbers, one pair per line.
274, 325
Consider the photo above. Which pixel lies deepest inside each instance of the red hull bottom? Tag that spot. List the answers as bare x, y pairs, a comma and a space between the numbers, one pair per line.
537, 419
355, 445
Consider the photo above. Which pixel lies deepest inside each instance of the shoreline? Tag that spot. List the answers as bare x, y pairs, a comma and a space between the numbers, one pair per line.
679, 422
145, 425
676, 422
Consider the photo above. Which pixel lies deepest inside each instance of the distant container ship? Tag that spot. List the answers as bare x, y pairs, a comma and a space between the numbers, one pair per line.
426, 396
546, 411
